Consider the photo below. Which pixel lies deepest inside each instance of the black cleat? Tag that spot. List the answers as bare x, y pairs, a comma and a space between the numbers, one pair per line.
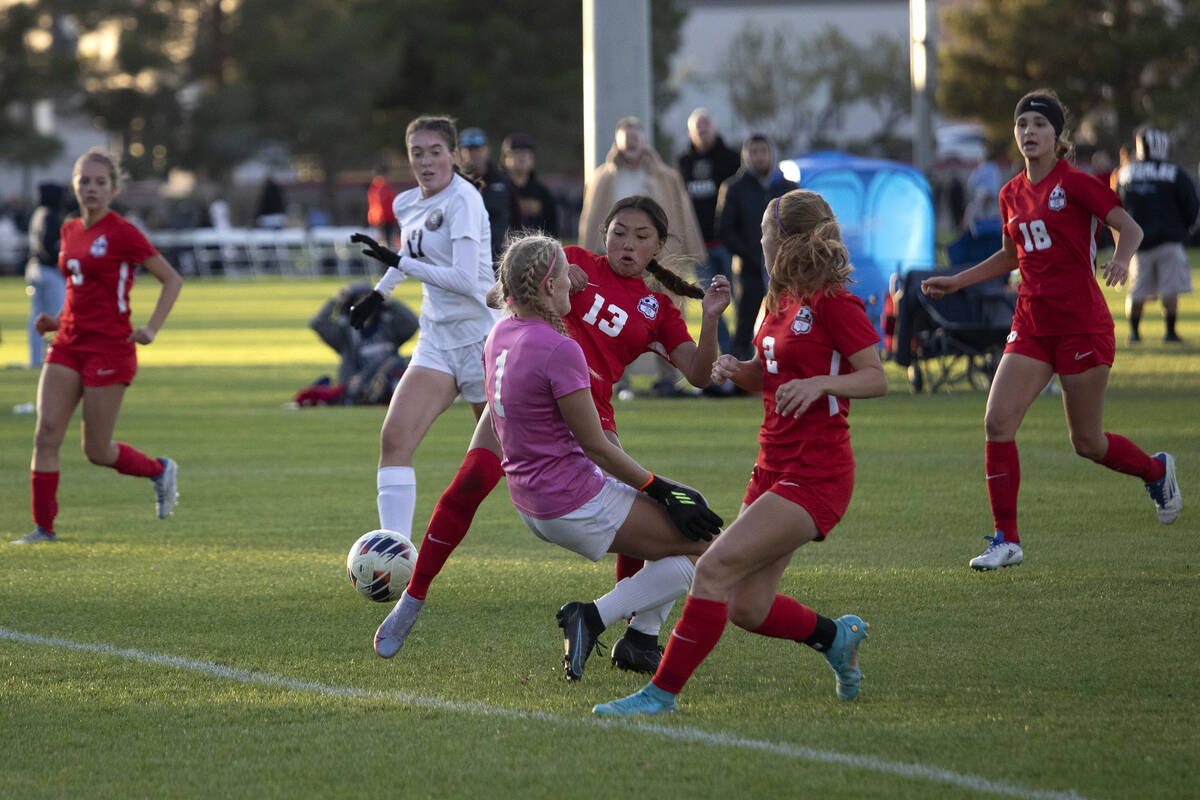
578, 638
633, 657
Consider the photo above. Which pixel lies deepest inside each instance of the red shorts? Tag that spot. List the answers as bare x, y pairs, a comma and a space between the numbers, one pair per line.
1069, 354
825, 499
98, 367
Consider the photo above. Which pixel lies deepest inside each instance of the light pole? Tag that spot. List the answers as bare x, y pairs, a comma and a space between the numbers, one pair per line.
920, 60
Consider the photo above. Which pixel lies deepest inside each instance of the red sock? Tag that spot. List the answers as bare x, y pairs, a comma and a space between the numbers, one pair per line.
131, 461
44, 498
478, 475
627, 566
694, 637
788, 619
1126, 457
1003, 468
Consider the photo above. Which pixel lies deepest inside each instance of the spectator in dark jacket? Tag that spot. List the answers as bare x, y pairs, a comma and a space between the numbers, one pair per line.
499, 195
705, 165
539, 209
740, 207
1162, 199
47, 286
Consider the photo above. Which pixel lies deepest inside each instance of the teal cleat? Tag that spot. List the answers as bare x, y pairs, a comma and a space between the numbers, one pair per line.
650, 700
843, 655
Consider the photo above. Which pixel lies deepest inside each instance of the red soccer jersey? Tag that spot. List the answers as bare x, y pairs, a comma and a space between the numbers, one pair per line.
804, 339
1054, 224
615, 320
99, 263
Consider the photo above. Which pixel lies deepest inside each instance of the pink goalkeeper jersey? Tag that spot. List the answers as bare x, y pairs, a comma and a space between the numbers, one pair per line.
1054, 224
527, 366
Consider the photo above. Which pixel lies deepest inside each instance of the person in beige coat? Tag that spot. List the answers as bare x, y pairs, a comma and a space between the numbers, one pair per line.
630, 168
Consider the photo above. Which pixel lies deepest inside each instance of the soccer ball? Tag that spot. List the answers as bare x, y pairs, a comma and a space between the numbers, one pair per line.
380, 564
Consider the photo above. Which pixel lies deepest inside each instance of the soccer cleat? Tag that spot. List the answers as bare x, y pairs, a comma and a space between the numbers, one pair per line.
1165, 491
392, 632
842, 655
166, 488
998, 554
578, 639
630, 656
39, 534
648, 700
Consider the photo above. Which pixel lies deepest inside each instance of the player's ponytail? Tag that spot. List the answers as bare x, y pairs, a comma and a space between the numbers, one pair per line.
811, 256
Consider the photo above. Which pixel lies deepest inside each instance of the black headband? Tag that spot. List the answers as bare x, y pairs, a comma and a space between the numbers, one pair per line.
1044, 106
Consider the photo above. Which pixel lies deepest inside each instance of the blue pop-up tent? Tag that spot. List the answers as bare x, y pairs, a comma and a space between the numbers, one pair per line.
886, 212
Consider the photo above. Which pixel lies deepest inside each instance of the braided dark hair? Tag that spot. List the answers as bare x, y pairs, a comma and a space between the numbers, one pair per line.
670, 279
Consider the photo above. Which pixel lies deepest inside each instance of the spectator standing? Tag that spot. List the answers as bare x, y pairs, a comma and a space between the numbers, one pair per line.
380, 216
631, 168
706, 164
499, 195
740, 207
272, 212
1162, 199
539, 209
47, 286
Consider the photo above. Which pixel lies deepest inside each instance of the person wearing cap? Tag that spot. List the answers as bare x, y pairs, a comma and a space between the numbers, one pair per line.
499, 195
1162, 198
1052, 212
539, 209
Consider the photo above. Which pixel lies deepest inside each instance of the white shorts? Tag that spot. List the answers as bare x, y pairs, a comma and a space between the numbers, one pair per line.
1161, 271
464, 363
590, 529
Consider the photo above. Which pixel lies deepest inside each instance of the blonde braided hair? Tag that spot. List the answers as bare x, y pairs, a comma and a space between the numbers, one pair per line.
526, 264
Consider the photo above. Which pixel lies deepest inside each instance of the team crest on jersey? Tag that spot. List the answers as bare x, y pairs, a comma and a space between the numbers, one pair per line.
648, 305
99, 246
802, 322
1058, 198
434, 220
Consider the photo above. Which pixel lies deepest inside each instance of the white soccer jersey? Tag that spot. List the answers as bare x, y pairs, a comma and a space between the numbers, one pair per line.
453, 310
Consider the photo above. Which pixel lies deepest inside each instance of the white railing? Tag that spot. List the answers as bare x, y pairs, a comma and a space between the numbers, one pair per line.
253, 252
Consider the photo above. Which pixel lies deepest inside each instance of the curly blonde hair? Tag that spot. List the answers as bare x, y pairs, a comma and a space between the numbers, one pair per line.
525, 265
811, 256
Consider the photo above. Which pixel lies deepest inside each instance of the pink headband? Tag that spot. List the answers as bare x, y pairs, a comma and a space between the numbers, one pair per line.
553, 264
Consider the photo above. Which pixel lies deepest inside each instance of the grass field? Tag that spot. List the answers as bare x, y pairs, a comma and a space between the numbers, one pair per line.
222, 653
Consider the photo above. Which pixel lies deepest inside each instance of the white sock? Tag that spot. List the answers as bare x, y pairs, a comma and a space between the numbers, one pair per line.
658, 583
651, 620
397, 498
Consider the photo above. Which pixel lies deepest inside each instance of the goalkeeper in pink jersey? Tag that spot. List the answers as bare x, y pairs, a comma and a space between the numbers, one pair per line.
540, 404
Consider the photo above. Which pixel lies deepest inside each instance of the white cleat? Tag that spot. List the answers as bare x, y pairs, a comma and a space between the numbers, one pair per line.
392, 632
166, 489
1165, 491
998, 554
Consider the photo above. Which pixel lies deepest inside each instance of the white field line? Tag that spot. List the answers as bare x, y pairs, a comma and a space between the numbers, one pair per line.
976, 783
